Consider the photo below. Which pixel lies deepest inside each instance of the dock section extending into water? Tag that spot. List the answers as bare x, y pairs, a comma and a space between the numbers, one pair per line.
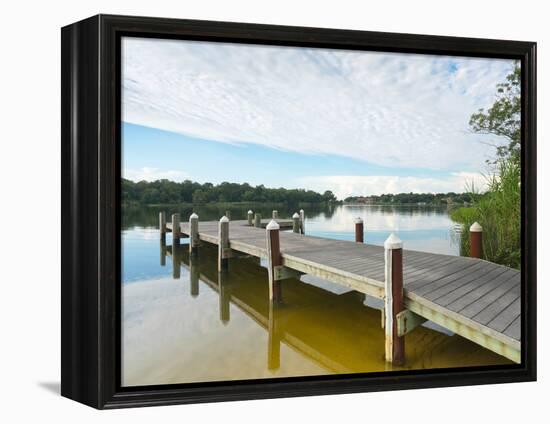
474, 298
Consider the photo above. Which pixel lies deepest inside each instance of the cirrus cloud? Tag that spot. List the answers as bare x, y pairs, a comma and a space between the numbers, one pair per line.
397, 110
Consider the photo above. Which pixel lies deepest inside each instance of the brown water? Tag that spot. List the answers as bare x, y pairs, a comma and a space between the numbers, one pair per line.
184, 322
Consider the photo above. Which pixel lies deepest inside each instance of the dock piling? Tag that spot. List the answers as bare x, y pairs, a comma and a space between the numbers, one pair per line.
393, 299
224, 291
163, 251
228, 214
223, 245
275, 214
175, 227
273, 339
194, 234
295, 223
359, 230
162, 224
194, 275
257, 220
273, 260
250, 218
476, 241
302, 221
176, 261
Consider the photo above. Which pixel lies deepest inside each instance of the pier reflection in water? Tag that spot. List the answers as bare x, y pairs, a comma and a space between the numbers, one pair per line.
202, 325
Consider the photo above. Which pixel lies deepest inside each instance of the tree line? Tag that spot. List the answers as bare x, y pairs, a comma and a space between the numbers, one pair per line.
413, 198
171, 192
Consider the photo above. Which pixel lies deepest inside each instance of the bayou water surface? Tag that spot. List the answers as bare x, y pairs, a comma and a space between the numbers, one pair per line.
184, 322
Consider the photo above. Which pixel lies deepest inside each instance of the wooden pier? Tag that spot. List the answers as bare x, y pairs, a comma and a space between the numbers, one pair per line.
474, 298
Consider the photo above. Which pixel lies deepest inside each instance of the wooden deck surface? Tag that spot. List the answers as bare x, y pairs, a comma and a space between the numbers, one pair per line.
471, 297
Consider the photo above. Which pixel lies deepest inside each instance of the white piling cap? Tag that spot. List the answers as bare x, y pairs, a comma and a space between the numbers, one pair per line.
250, 212
358, 220
224, 219
272, 225
476, 228
295, 216
193, 216
301, 211
393, 242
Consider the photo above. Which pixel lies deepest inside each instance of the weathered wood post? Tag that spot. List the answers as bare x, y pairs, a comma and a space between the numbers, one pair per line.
257, 220
175, 228
163, 251
295, 223
273, 260
476, 241
194, 275
224, 291
228, 214
273, 339
162, 225
359, 231
275, 214
176, 261
194, 234
393, 301
250, 218
223, 243
302, 221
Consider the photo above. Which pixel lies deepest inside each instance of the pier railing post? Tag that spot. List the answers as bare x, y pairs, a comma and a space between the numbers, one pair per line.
359, 230
393, 300
175, 227
476, 241
295, 223
257, 220
194, 234
223, 243
275, 214
273, 260
302, 221
250, 218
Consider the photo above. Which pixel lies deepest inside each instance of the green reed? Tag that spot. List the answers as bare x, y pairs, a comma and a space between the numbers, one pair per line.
498, 210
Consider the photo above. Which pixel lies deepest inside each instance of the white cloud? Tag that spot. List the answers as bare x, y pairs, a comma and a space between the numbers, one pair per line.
153, 174
388, 109
353, 185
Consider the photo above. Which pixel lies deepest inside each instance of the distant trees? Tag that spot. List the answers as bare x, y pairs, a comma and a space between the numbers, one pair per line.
170, 192
413, 198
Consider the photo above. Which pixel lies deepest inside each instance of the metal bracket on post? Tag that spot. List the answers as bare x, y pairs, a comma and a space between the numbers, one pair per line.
282, 272
408, 321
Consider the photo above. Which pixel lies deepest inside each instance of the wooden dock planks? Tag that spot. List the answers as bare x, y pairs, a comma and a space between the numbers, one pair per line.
478, 299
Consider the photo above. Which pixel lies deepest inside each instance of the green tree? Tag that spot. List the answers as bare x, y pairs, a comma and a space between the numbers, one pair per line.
503, 118
328, 196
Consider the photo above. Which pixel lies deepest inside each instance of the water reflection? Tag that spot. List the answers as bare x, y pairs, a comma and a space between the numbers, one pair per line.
232, 332
422, 228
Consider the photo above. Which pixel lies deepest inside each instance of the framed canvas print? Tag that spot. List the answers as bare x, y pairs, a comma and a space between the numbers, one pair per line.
255, 211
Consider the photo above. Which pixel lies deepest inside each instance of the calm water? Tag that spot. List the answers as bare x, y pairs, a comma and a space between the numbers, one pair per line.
185, 322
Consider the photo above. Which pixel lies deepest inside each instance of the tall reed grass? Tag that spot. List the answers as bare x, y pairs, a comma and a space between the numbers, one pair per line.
498, 210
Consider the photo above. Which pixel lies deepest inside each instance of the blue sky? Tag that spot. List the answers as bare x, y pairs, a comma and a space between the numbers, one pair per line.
357, 123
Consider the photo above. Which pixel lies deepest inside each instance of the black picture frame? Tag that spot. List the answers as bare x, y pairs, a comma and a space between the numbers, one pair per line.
91, 170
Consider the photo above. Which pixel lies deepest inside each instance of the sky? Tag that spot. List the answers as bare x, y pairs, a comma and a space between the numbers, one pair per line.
356, 123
